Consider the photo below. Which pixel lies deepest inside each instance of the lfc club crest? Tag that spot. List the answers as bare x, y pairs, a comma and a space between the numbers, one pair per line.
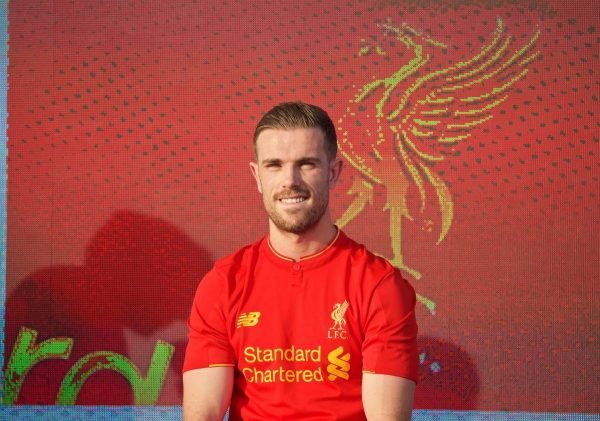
338, 330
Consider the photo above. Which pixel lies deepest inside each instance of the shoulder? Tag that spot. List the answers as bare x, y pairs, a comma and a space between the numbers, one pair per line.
361, 258
241, 257
228, 269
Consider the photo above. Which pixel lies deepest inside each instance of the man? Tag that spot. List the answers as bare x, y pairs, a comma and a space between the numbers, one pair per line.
305, 323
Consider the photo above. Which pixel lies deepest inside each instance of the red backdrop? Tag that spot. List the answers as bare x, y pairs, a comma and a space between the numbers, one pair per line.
129, 135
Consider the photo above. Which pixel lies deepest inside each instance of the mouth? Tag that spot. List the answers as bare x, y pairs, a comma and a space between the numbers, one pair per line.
292, 199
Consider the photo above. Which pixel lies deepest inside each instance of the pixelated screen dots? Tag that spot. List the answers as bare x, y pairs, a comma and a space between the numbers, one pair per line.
210, 83
544, 124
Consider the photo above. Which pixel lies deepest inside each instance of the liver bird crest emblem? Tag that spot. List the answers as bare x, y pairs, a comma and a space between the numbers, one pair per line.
395, 129
338, 313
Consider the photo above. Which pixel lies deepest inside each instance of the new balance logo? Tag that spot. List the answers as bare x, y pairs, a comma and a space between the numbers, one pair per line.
338, 364
248, 319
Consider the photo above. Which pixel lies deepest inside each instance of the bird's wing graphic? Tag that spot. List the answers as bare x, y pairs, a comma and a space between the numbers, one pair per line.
440, 109
446, 104
343, 308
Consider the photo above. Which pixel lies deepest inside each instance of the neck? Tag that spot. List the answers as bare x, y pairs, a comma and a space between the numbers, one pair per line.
303, 244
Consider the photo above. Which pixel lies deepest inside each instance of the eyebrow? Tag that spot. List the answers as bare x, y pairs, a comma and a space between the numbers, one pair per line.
305, 159
271, 161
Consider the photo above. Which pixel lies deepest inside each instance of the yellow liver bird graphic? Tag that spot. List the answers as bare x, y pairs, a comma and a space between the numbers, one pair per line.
397, 128
339, 310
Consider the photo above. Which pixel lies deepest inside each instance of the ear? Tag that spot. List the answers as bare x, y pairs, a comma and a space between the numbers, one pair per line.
254, 170
335, 170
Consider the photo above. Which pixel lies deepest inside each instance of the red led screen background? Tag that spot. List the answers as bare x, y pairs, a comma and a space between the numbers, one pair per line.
469, 132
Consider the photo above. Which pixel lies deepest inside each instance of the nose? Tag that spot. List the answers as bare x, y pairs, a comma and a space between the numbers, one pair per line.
291, 177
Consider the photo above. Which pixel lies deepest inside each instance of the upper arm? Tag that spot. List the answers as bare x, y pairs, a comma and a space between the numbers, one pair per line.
209, 357
206, 393
387, 397
390, 330
208, 338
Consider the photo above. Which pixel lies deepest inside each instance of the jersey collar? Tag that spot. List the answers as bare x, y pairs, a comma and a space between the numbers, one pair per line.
304, 259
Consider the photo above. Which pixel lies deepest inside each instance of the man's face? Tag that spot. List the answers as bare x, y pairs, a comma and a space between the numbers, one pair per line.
294, 175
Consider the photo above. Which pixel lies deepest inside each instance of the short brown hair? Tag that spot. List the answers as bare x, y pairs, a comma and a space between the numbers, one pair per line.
299, 115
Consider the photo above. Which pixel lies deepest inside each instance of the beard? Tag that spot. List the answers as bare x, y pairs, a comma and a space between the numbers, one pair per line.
301, 220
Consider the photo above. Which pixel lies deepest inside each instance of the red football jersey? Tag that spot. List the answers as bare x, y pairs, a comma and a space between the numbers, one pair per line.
301, 333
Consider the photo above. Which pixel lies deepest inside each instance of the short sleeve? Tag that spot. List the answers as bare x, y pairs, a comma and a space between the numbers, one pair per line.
390, 330
208, 340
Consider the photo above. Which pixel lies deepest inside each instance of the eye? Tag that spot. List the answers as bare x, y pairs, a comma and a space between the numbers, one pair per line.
307, 164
